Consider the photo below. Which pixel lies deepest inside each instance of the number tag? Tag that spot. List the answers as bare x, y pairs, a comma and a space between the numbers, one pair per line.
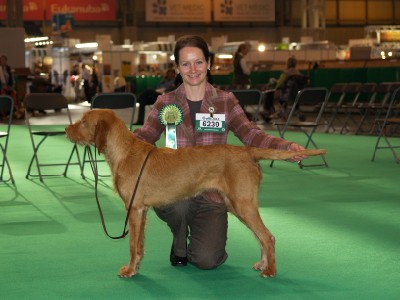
206, 123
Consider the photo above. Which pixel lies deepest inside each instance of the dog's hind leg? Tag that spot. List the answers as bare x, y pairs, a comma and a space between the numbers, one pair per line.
137, 221
248, 213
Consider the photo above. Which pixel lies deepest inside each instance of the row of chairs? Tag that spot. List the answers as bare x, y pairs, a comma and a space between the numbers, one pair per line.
312, 106
55, 111
356, 105
351, 107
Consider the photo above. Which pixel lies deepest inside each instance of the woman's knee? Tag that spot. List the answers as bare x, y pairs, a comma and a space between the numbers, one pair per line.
207, 260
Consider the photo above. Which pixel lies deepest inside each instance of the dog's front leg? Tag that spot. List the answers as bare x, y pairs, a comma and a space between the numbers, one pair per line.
137, 221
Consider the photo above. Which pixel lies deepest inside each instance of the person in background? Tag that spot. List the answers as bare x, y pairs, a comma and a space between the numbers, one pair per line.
290, 71
119, 82
167, 84
241, 70
94, 86
199, 225
149, 96
86, 73
7, 82
287, 86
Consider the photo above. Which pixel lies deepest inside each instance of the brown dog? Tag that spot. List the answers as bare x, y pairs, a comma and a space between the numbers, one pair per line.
172, 175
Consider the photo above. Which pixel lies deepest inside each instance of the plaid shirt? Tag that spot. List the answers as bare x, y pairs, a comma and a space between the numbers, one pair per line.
223, 103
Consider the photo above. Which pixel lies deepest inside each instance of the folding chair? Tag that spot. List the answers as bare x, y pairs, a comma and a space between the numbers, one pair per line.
370, 111
43, 126
365, 97
387, 126
251, 101
336, 95
123, 104
351, 94
309, 104
6, 110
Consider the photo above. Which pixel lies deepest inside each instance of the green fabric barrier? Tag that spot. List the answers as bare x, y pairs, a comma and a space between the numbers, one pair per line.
318, 77
379, 75
142, 82
222, 79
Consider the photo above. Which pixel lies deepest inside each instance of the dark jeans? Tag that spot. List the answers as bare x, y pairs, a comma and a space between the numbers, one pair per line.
207, 223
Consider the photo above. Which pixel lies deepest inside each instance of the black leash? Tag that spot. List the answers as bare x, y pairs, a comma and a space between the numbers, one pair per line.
93, 164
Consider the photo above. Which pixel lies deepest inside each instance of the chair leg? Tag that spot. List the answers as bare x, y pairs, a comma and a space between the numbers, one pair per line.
381, 135
84, 162
391, 147
74, 150
4, 164
331, 121
377, 142
34, 159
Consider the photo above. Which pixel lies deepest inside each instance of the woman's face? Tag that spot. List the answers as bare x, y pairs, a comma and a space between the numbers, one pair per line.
192, 66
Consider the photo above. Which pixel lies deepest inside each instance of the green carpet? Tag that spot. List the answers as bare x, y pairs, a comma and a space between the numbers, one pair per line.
337, 232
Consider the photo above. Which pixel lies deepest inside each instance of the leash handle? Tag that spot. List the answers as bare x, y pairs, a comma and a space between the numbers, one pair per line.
93, 163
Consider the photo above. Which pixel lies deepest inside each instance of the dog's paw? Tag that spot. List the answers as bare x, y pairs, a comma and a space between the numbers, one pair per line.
260, 266
265, 270
126, 272
268, 273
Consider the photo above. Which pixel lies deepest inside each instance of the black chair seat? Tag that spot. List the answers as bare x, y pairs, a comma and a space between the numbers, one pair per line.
48, 133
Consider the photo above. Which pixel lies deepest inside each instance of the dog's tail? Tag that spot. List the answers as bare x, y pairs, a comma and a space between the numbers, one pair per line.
272, 154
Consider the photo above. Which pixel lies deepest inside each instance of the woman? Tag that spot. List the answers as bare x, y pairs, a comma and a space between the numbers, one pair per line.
241, 71
205, 215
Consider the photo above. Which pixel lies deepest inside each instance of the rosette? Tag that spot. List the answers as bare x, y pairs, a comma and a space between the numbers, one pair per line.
171, 114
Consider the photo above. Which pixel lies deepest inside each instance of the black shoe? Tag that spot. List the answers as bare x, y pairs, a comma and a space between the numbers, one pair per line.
177, 261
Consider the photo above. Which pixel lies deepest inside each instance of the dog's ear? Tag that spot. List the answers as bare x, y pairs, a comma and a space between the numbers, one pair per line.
100, 136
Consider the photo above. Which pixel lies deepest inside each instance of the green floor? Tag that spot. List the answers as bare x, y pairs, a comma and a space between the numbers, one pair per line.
337, 231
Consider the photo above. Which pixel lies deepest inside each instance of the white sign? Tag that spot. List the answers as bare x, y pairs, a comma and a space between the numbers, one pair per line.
244, 10
178, 11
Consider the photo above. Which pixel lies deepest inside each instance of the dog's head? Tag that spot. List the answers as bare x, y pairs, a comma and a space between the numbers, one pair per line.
92, 128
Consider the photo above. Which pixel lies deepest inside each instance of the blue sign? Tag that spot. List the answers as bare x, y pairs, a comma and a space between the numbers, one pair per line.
63, 22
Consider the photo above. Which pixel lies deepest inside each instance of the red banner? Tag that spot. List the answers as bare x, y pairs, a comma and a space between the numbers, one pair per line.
3, 10
83, 10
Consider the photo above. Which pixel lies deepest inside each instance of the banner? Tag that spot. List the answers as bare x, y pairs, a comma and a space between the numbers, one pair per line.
82, 10
178, 11
244, 10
